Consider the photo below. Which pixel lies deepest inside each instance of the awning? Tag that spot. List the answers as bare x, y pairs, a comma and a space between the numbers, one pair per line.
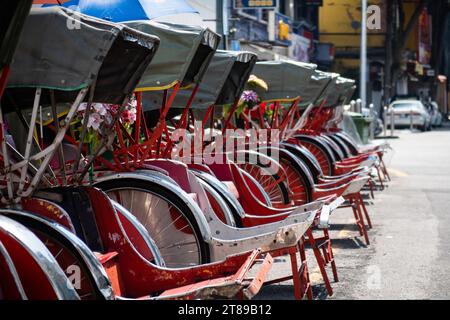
264, 54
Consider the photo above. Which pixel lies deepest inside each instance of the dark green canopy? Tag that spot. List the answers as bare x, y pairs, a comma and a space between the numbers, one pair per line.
51, 56
347, 89
223, 82
12, 18
237, 78
339, 91
183, 56
286, 80
331, 92
318, 86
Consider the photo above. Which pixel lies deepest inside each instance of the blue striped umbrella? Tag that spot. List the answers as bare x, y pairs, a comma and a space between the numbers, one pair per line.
129, 10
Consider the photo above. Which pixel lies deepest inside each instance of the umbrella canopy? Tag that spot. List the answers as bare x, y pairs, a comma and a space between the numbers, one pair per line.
49, 56
43, 2
286, 80
129, 10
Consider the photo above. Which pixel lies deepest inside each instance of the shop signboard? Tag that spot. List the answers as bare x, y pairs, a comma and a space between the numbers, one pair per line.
424, 38
255, 4
279, 28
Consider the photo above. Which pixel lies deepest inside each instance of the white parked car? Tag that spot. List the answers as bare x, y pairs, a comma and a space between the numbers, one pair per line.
405, 109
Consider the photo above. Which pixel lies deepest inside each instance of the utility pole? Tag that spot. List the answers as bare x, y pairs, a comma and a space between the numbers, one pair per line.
222, 21
390, 31
363, 84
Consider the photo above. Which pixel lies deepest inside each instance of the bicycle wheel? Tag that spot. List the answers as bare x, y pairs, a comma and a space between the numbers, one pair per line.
273, 184
344, 148
349, 142
166, 217
298, 179
322, 153
89, 281
334, 147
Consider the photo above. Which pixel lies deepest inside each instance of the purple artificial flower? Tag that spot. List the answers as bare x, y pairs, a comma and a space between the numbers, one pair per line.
249, 96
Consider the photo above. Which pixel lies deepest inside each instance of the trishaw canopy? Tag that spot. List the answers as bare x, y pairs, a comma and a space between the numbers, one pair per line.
237, 78
331, 91
348, 89
12, 17
286, 80
51, 56
224, 80
317, 87
183, 56
339, 90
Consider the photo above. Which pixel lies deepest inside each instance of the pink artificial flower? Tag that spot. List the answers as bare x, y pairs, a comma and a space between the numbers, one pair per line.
133, 103
95, 120
128, 116
100, 109
113, 108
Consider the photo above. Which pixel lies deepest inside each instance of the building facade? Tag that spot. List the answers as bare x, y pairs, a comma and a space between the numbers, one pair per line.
403, 46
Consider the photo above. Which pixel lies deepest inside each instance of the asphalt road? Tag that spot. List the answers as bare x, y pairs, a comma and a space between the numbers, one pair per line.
409, 254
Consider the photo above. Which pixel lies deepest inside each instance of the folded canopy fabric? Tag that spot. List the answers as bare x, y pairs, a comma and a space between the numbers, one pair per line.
348, 88
130, 10
339, 91
12, 18
331, 92
286, 80
317, 87
183, 56
237, 78
51, 56
224, 80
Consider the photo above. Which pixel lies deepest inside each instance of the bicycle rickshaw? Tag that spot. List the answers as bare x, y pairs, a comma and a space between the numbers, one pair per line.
78, 226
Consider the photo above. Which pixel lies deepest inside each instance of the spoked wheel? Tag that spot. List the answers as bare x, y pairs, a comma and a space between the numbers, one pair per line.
166, 217
346, 151
299, 186
89, 284
274, 184
324, 158
71, 265
348, 142
334, 147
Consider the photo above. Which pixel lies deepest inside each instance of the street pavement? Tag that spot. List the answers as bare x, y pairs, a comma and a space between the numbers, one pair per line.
409, 254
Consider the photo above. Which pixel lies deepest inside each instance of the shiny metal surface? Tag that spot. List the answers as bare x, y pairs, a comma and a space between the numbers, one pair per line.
159, 260
166, 224
168, 183
55, 275
12, 270
90, 260
222, 189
